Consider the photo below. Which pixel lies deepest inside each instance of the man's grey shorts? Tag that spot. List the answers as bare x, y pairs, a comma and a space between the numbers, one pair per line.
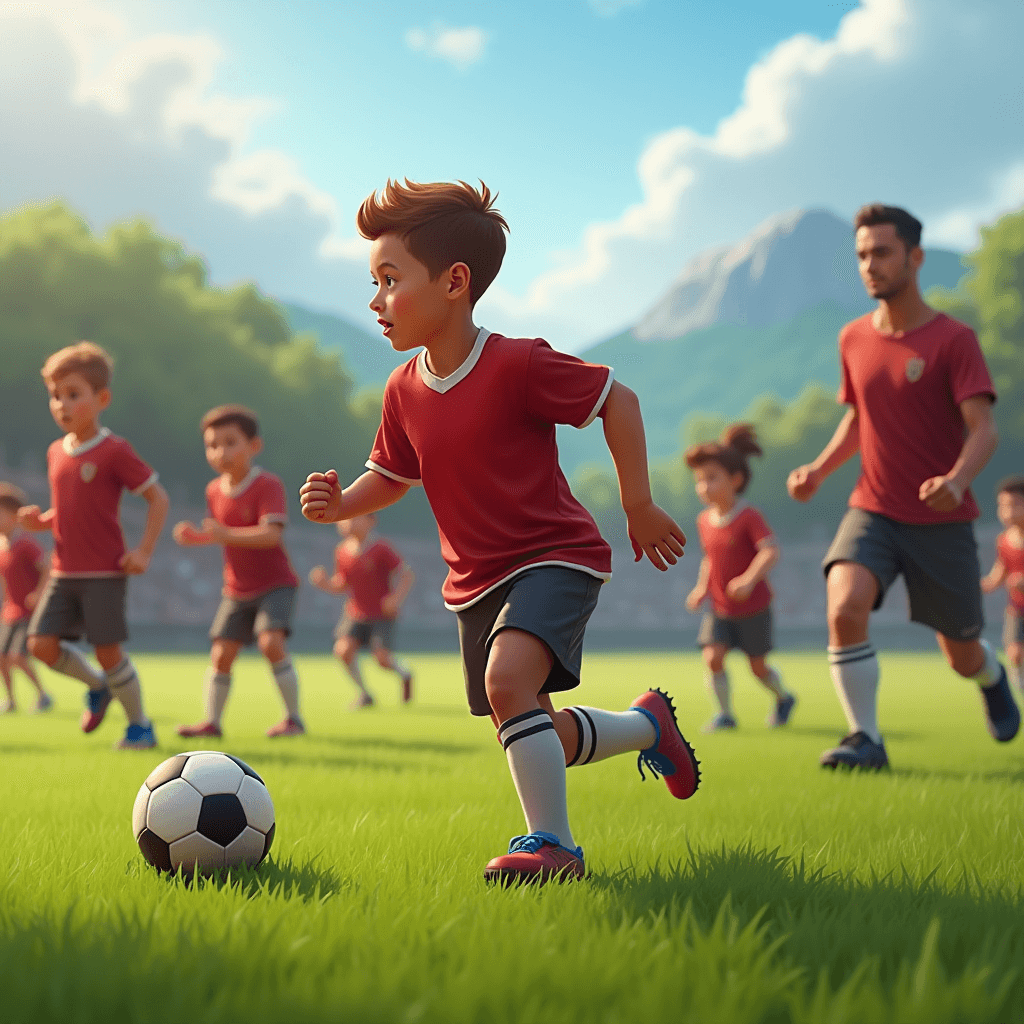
939, 565
366, 631
244, 620
751, 634
552, 602
75, 606
13, 636
1013, 627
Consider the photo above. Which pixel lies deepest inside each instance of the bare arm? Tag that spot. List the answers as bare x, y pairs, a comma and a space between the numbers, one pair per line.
651, 529
944, 493
394, 599
31, 518
323, 580
137, 560
804, 481
700, 589
262, 535
324, 501
32, 598
996, 577
741, 587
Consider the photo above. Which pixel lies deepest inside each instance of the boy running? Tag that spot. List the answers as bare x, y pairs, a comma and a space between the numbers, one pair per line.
1008, 570
89, 469
472, 418
739, 552
920, 415
365, 568
23, 571
248, 513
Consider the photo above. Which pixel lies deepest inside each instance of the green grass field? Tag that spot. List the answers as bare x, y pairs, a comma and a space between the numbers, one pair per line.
778, 893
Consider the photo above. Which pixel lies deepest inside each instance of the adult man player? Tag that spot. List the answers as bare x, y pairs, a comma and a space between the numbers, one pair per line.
920, 414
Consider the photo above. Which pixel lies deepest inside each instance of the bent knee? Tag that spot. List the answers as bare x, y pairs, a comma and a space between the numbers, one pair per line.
271, 645
45, 648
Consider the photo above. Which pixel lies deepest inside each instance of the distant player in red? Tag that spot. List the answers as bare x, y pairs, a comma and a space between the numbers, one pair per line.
920, 415
377, 582
739, 552
89, 470
248, 513
1008, 571
23, 571
472, 419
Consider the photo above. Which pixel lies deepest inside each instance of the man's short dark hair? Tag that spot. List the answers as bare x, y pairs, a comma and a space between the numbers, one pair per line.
908, 227
1011, 485
225, 415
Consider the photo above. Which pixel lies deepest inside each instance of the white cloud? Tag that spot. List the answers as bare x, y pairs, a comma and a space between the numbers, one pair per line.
958, 228
460, 47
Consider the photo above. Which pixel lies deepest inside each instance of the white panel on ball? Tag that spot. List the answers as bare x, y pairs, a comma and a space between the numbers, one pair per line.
256, 802
212, 773
196, 852
139, 811
173, 810
245, 849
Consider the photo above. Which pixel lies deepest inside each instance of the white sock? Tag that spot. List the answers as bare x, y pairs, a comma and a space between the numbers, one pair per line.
218, 686
773, 682
71, 663
398, 667
537, 762
288, 683
991, 670
124, 684
1013, 671
607, 733
718, 685
854, 672
357, 675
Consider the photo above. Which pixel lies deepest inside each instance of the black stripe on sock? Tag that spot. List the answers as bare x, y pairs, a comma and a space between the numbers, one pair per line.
593, 736
579, 737
852, 658
533, 730
852, 649
520, 718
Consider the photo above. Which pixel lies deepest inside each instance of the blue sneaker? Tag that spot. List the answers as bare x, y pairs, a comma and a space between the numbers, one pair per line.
783, 709
96, 704
1001, 712
858, 750
720, 723
138, 737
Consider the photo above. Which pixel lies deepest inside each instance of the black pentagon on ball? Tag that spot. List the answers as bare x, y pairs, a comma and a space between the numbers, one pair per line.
166, 770
270, 839
222, 818
155, 850
245, 768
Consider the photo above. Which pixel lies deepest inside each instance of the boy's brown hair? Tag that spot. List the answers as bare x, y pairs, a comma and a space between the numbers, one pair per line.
225, 415
732, 451
1011, 485
441, 223
11, 497
907, 227
86, 358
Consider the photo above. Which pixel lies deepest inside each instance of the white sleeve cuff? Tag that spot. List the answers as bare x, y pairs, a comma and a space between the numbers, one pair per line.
152, 479
370, 464
600, 401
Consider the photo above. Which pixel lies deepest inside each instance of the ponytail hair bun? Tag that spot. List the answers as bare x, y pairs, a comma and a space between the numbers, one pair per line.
737, 443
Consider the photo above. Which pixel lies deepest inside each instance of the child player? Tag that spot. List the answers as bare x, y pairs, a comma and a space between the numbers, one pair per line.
248, 513
472, 418
365, 568
739, 552
1009, 570
23, 570
89, 469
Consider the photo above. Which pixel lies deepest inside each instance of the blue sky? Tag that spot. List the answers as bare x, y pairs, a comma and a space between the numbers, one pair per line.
625, 138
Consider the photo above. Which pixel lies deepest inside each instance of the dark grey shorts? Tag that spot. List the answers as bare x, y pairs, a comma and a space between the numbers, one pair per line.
939, 565
13, 636
751, 634
1013, 627
552, 602
75, 606
243, 621
366, 631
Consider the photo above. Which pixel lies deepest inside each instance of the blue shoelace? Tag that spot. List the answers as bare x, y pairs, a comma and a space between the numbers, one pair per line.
657, 764
535, 840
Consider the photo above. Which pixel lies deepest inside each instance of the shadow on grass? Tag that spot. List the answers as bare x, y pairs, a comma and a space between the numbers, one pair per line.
835, 735
400, 746
1011, 773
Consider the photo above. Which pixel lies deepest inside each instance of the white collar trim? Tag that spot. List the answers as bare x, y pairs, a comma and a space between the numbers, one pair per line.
242, 486
70, 449
720, 520
443, 384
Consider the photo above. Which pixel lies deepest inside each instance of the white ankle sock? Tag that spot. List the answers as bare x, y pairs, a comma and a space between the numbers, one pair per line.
773, 681
607, 733
854, 671
218, 686
288, 683
124, 685
718, 686
991, 670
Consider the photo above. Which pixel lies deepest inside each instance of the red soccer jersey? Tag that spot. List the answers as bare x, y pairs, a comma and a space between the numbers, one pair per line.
1012, 558
259, 498
730, 545
482, 443
907, 392
368, 578
21, 566
86, 484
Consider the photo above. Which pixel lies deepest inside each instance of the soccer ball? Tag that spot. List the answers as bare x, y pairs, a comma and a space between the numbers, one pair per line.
203, 810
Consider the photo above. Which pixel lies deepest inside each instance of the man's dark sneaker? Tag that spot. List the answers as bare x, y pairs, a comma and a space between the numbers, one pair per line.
1001, 712
783, 709
858, 750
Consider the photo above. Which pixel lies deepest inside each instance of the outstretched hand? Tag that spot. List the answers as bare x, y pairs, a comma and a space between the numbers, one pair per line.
653, 532
320, 497
31, 517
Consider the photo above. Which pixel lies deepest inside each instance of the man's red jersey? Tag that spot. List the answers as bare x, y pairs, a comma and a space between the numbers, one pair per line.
482, 443
1012, 558
367, 575
259, 498
86, 484
907, 392
730, 544
21, 566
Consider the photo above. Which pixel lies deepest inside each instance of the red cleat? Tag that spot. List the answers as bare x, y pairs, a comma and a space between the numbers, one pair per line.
536, 859
202, 729
670, 756
407, 688
289, 727
96, 704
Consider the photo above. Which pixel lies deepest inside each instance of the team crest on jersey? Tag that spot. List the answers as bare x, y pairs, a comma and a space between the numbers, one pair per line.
915, 367
88, 471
